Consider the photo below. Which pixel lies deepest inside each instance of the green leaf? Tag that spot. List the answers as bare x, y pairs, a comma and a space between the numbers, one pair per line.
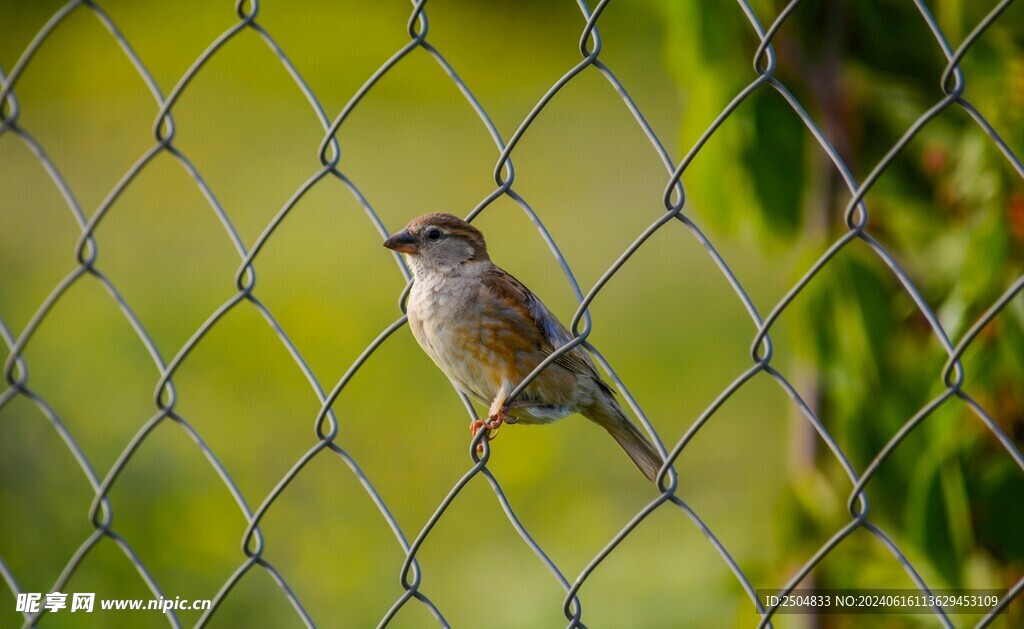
775, 159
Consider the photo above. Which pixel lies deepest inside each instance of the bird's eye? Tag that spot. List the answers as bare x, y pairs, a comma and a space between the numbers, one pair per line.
434, 234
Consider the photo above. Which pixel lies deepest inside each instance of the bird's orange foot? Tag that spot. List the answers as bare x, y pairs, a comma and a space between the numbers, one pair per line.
498, 418
491, 425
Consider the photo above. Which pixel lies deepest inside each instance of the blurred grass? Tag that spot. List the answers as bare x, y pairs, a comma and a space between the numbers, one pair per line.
668, 322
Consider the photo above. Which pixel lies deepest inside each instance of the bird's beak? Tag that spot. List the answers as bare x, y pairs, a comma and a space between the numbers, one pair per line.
402, 242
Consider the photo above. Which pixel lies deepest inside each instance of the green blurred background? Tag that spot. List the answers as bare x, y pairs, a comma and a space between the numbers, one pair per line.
950, 209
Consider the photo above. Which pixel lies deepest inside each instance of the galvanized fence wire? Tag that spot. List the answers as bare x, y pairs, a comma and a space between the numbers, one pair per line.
16, 371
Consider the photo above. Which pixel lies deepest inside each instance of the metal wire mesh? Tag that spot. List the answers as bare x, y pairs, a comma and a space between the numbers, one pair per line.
16, 370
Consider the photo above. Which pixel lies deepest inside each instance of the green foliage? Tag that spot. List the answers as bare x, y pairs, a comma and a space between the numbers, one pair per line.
949, 208
734, 180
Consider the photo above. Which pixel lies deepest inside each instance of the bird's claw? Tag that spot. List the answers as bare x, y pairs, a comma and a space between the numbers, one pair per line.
491, 424
498, 418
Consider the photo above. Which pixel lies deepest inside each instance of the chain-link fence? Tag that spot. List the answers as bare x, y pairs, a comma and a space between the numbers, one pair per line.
327, 443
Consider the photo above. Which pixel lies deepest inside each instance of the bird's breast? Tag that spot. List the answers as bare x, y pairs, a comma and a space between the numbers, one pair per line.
445, 321
484, 344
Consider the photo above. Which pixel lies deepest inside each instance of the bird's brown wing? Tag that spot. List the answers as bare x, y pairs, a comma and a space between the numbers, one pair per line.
551, 330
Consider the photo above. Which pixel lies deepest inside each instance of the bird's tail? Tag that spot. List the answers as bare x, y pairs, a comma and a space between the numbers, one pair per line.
607, 413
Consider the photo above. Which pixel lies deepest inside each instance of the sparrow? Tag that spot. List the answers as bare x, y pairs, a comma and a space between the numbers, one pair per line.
486, 331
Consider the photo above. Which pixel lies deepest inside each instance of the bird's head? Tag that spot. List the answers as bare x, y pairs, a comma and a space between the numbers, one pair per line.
439, 242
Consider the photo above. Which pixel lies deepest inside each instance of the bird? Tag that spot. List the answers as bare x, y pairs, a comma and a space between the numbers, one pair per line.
487, 331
